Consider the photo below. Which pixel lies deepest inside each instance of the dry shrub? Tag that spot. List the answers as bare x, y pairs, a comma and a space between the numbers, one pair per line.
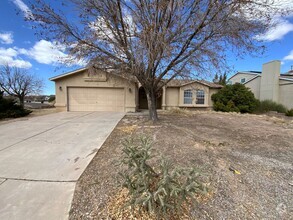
161, 191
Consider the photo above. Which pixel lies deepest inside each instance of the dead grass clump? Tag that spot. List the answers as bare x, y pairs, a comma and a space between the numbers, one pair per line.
128, 129
117, 210
180, 111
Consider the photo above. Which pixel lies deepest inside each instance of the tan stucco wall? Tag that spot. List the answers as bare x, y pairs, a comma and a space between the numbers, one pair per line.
172, 97
269, 85
211, 92
194, 87
254, 86
81, 80
286, 94
237, 78
175, 96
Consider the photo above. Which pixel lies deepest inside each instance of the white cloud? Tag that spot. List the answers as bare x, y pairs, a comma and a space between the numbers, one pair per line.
289, 56
276, 32
9, 57
6, 38
278, 10
46, 52
24, 8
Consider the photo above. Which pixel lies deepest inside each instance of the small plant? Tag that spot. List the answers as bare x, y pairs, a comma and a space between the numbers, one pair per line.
290, 113
160, 191
269, 105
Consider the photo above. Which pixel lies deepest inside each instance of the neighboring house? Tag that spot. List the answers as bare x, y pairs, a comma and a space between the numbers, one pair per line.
269, 84
88, 90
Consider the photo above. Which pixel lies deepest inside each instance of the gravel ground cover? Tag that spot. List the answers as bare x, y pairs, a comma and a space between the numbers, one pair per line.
260, 147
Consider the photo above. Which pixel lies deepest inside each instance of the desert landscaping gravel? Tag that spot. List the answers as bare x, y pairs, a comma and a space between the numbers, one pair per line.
259, 147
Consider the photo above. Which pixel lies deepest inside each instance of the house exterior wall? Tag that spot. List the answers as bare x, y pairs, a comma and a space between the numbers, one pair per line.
269, 85
194, 87
286, 94
237, 78
105, 81
172, 97
254, 86
211, 92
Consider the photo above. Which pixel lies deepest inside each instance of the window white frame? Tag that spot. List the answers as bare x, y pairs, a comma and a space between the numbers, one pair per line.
200, 97
187, 97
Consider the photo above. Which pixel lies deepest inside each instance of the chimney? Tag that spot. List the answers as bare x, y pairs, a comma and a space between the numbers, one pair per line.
269, 85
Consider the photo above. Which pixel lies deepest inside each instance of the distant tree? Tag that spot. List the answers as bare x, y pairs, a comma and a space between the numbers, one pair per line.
19, 83
216, 78
223, 79
151, 40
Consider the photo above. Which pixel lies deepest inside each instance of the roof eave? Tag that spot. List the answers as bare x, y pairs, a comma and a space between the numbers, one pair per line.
67, 74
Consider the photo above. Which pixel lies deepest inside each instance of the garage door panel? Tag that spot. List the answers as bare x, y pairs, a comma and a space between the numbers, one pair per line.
96, 99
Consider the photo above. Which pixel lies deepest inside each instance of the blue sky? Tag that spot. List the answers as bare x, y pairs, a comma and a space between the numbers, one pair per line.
20, 47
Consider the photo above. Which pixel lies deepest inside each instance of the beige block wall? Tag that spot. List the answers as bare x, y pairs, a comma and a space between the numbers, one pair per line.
254, 86
237, 78
81, 80
286, 95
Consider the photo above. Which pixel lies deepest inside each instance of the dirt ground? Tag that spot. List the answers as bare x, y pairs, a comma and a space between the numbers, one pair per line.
260, 147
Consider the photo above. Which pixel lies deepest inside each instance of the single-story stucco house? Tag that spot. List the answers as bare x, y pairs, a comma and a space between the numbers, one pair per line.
269, 84
95, 90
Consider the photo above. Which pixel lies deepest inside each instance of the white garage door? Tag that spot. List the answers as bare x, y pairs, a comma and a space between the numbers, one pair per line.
96, 99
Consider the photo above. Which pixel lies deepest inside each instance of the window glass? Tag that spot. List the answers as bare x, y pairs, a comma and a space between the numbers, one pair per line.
187, 96
242, 80
200, 97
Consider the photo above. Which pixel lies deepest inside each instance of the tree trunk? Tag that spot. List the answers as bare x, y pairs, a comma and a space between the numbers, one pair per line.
152, 104
21, 101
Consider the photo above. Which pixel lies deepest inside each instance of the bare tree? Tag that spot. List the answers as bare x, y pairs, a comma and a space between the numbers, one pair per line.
19, 83
156, 41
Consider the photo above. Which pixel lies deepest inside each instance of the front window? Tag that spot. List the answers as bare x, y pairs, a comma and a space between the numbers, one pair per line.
242, 80
187, 96
200, 97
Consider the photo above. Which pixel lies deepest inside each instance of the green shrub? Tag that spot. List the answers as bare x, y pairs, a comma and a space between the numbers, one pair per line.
51, 99
10, 109
161, 191
269, 105
290, 113
234, 98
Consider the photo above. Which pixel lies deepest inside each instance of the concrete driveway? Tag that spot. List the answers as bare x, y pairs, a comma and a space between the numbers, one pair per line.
41, 159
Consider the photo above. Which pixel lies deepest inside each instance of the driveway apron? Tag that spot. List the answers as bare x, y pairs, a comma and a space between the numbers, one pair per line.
41, 159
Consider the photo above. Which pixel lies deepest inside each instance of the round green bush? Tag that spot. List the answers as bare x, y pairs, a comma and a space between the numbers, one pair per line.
235, 98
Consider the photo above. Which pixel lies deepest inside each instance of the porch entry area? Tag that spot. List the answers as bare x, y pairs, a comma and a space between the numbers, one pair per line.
143, 101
